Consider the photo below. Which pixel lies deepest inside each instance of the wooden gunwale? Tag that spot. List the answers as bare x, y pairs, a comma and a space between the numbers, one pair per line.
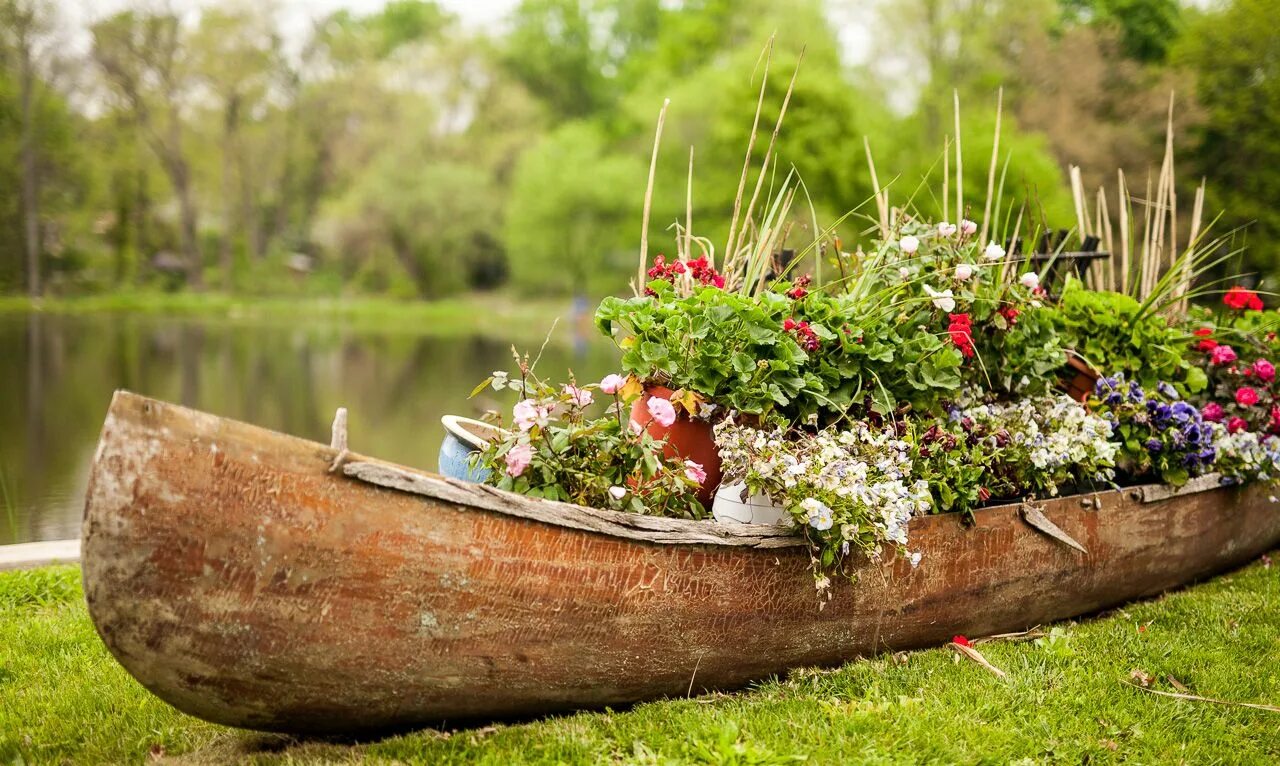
238, 579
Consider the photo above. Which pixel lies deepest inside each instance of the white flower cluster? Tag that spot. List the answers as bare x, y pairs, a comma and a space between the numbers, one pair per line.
856, 482
1246, 455
1055, 434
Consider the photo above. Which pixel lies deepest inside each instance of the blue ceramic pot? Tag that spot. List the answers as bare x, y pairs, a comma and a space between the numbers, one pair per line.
462, 438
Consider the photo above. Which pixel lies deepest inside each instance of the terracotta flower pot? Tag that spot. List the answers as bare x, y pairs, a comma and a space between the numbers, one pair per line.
687, 439
1077, 378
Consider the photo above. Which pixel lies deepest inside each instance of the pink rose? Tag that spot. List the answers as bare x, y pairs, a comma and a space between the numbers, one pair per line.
527, 414
1246, 396
518, 459
694, 472
612, 384
1212, 412
580, 397
661, 410
1237, 424
1222, 354
1266, 371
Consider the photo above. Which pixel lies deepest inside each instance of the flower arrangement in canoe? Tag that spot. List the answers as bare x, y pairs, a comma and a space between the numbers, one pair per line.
552, 448
918, 377
847, 490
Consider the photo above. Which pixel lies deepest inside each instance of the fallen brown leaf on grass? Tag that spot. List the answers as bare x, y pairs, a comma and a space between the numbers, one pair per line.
1176, 683
1141, 678
976, 656
1198, 698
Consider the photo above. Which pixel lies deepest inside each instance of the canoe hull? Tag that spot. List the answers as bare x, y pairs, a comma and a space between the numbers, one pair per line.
237, 579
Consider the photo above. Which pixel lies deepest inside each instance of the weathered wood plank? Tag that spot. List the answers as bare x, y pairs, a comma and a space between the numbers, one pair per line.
633, 526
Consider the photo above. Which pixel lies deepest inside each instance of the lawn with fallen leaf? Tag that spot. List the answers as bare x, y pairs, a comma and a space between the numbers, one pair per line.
1153, 682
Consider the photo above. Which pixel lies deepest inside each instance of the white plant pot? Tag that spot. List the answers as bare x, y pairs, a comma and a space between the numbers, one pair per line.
729, 507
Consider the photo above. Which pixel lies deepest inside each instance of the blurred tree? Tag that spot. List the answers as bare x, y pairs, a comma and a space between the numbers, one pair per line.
1235, 54
235, 52
431, 216
573, 217
553, 48
36, 141
144, 61
1146, 28
1099, 108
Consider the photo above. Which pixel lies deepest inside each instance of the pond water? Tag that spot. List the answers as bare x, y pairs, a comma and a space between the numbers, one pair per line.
59, 372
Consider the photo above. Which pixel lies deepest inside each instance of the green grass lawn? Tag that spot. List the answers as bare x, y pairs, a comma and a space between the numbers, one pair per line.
63, 699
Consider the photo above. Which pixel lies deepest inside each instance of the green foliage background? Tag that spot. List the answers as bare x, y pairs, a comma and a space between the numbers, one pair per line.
401, 152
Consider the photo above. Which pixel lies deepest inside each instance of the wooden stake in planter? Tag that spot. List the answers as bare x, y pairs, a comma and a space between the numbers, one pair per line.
638, 288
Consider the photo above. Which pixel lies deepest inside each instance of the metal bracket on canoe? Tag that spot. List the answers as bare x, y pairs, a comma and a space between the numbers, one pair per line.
1036, 519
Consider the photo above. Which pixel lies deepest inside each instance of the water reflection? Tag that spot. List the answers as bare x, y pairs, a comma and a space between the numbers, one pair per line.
61, 371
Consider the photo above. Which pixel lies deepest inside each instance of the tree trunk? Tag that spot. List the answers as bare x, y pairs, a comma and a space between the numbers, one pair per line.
231, 119
285, 190
141, 219
254, 235
190, 234
180, 176
30, 192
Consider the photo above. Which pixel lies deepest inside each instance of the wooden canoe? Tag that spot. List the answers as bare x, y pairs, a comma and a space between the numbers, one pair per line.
238, 579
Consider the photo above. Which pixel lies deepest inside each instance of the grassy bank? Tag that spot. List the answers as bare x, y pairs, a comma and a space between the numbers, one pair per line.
471, 313
1066, 699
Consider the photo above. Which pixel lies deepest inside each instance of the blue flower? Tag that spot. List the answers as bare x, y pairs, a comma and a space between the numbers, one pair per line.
1154, 445
1167, 390
1136, 394
1183, 412
1104, 385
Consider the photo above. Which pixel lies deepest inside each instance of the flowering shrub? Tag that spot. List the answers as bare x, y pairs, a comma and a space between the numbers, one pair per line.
553, 450
1157, 432
1235, 357
848, 490
722, 346
1114, 332
1033, 446
997, 327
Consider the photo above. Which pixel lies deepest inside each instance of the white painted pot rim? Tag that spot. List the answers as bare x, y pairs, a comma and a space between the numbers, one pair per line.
473, 433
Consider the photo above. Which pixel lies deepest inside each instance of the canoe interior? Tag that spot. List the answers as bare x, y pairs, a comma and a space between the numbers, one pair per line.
239, 580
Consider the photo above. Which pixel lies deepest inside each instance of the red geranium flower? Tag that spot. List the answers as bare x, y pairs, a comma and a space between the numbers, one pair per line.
1236, 425
1246, 396
798, 290
960, 331
961, 640
1242, 299
1203, 332
805, 335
